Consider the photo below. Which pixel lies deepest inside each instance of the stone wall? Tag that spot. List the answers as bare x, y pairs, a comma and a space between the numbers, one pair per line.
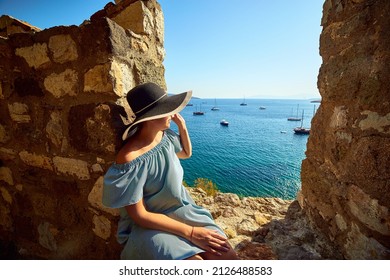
59, 89
346, 176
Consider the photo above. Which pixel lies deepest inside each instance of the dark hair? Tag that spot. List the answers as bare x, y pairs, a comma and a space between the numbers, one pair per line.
117, 124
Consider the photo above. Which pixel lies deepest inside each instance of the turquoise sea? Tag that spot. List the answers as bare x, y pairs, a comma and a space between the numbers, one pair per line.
258, 154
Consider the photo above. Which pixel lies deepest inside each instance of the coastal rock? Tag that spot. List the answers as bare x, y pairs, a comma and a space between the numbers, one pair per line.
345, 175
265, 228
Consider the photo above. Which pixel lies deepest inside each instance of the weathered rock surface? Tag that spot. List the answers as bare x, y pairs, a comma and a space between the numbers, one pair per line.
265, 228
346, 174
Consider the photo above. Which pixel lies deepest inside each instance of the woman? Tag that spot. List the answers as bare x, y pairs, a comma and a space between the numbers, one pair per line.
158, 218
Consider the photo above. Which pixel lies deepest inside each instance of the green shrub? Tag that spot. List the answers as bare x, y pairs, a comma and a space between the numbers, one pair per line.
207, 185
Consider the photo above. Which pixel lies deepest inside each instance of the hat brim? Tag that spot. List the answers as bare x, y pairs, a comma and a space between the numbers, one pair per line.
165, 107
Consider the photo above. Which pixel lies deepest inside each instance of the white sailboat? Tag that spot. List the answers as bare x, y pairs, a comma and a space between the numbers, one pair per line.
295, 119
215, 108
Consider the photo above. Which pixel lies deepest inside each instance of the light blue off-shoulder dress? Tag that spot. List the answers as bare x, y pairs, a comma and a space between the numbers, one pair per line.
155, 176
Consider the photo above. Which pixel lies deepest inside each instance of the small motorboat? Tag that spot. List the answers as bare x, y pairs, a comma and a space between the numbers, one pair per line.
224, 123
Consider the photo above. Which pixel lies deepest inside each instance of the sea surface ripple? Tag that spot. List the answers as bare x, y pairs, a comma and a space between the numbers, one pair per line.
258, 154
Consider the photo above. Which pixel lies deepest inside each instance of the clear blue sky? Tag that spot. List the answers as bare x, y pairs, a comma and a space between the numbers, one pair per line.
218, 48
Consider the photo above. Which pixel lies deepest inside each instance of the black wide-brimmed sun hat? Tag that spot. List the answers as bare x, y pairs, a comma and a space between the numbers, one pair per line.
149, 102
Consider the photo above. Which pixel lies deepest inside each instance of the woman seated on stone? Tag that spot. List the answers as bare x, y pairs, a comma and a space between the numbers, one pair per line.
158, 218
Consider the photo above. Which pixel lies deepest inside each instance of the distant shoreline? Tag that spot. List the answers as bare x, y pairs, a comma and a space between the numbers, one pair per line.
312, 100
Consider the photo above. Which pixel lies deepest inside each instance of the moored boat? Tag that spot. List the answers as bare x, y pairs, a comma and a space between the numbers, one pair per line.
295, 119
224, 122
215, 108
198, 113
301, 129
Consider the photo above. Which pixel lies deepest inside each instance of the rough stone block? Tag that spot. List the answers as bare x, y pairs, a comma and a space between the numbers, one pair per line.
101, 137
6, 195
54, 129
36, 55
10, 25
122, 78
63, 47
136, 17
62, 84
6, 175
97, 168
102, 227
19, 112
35, 160
98, 79
7, 154
95, 198
72, 167
138, 43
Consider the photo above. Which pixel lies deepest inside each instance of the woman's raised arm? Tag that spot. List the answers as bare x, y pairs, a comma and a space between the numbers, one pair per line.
186, 152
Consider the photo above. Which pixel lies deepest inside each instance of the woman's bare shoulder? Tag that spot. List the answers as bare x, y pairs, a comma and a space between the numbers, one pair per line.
128, 152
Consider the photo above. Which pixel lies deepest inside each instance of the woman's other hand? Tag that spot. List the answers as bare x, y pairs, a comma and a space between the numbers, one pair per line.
209, 240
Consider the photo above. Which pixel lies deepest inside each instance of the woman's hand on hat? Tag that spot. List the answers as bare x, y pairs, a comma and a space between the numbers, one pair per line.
209, 240
179, 120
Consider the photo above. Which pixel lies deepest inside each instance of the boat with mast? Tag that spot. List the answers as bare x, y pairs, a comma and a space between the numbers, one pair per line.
215, 108
301, 129
198, 113
295, 119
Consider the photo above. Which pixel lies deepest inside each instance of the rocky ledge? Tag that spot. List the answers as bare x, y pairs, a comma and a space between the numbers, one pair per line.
265, 228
